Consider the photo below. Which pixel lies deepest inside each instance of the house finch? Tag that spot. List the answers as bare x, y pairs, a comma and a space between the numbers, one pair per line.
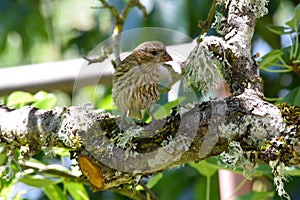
135, 80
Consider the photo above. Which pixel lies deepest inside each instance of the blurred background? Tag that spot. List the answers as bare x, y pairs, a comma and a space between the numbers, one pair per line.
42, 31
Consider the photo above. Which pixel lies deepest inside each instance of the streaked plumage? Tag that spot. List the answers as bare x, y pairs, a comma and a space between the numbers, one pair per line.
135, 80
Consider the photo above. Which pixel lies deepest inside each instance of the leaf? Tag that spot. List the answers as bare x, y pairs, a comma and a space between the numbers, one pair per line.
280, 30
175, 182
293, 97
38, 181
7, 187
155, 179
270, 58
256, 196
44, 100
293, 171
53, 192
76, 190
19, 194
264, 170
207, 187
162, 111
107, 103
205, 168
19, 99
293, 23
61, 151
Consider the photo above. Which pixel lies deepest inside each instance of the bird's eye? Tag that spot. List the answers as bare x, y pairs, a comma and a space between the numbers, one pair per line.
154, 53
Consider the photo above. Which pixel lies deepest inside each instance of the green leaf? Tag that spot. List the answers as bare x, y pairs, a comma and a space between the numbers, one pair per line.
53, 192
175, 182
7, 187
2, 100
207, 187
44, 100
293, 171
293, 97
107, 103
61, 151
270, 58
205, 168
155, 179
264, 170
76, 190
256, 196
293, 23
280, 30
38, 181
19, 99
164, 110
88, 94
19, 194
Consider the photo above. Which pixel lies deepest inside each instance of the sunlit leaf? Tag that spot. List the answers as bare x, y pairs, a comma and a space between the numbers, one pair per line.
53, 192
44, 100
76, 190
293, 171
61, 151
38, 181
107, 103
19, 194
153, 180
6, 187
19, 99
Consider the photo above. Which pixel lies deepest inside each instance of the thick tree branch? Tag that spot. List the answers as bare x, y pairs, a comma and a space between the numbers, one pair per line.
244, 118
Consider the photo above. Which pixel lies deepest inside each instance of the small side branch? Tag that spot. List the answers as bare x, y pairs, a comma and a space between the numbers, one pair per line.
204, 25
119, 19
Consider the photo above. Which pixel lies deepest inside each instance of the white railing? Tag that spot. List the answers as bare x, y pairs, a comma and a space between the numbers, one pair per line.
61, 75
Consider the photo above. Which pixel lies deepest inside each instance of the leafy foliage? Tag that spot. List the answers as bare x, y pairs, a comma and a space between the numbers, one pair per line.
39, 31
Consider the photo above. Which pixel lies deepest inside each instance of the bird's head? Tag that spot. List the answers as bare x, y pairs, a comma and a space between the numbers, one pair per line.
152, 52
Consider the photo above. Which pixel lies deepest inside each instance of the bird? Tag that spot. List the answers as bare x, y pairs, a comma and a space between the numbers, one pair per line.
136, 79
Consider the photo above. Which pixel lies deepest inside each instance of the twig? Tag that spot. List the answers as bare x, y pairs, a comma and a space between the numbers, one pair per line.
119, 19
104, 55
150, 192
42, 168
95, 60
204, 25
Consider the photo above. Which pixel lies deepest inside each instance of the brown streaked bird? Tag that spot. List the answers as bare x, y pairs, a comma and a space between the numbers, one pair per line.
135, 80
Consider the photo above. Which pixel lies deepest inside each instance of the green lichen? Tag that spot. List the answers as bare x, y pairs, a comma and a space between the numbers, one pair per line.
280, 176
236, 158
201, 71
218, 24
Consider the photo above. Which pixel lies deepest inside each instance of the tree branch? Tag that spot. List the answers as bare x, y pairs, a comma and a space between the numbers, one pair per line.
119, 18
245, 118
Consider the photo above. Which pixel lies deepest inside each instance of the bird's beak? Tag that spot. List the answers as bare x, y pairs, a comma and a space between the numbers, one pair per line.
166, 57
